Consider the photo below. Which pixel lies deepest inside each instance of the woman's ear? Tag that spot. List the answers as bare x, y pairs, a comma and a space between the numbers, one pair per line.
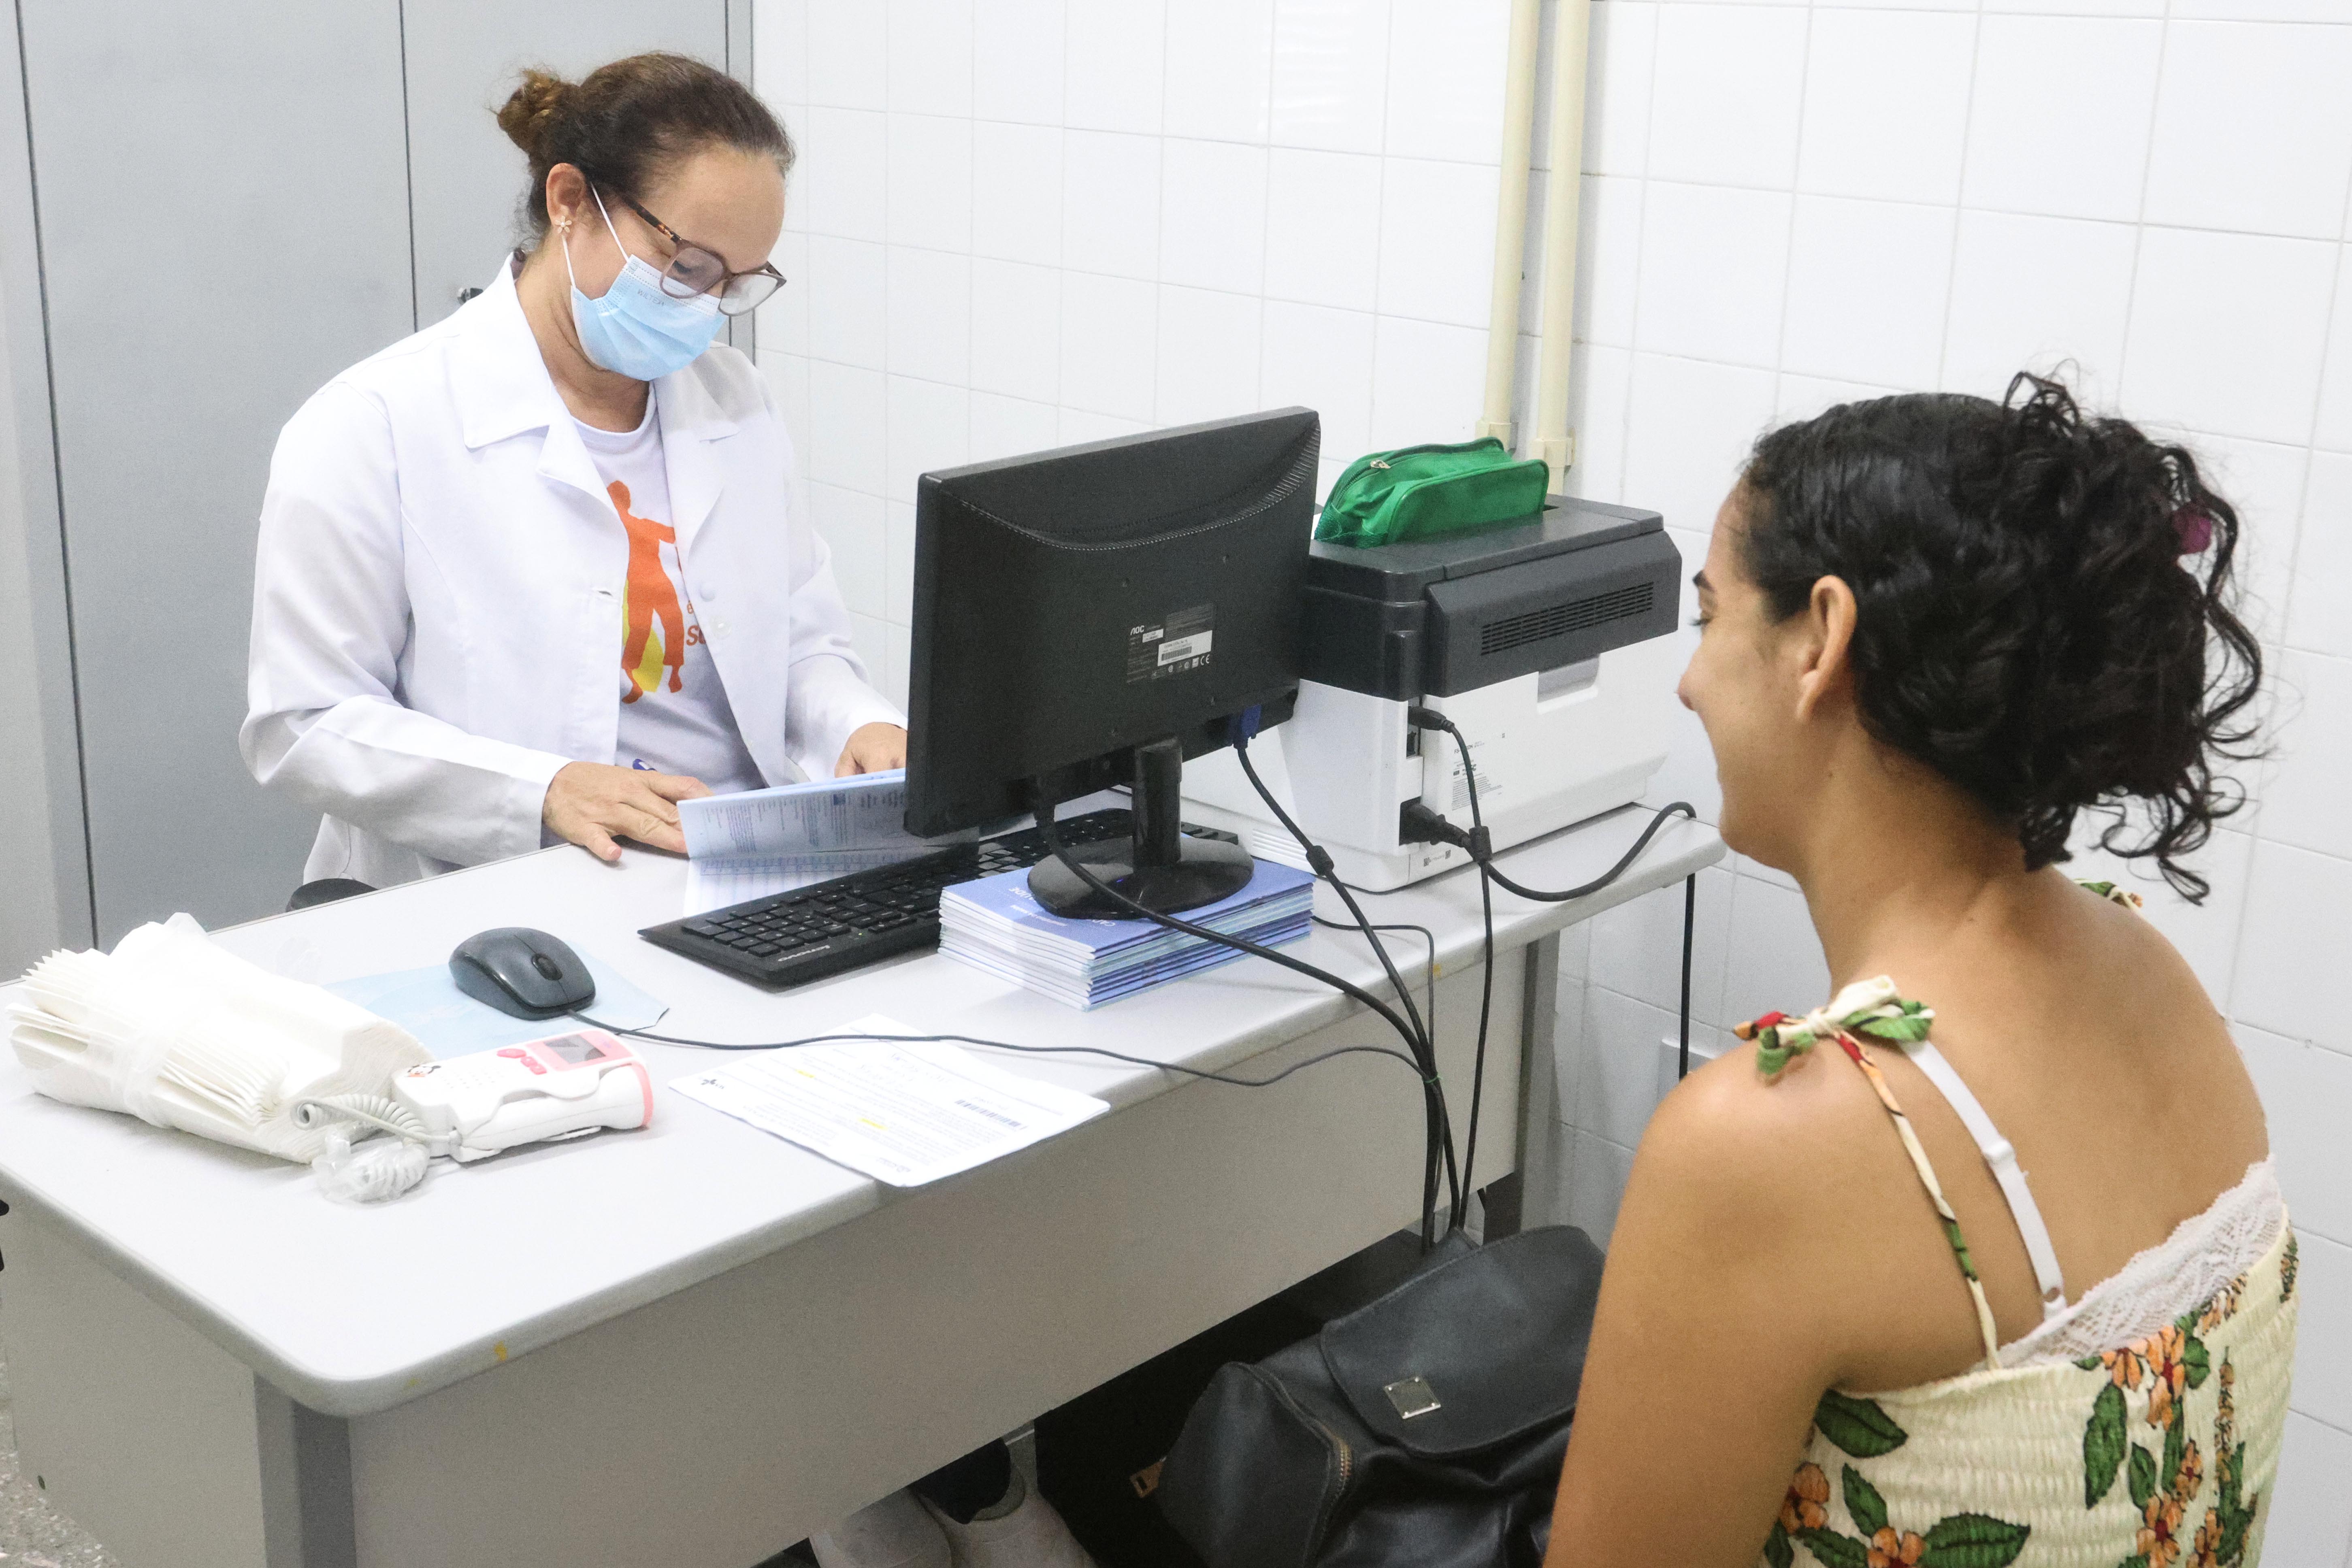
567, 193
1827, 670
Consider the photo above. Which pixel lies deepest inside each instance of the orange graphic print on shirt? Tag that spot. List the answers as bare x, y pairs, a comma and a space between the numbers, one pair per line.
649, 595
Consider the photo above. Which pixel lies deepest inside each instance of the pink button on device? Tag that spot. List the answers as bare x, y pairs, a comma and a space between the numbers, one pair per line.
512, 1052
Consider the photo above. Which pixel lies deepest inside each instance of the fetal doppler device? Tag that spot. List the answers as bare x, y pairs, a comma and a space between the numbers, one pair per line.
1544, 640
471, 1107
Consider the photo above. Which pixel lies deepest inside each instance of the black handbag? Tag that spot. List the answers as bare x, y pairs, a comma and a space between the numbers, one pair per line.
1099, 1457
1426, 1428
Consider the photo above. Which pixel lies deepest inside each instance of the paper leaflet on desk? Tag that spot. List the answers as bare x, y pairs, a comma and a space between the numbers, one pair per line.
902, 1111
763, 841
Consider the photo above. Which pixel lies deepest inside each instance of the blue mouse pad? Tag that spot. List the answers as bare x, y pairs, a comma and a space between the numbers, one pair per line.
428, 1004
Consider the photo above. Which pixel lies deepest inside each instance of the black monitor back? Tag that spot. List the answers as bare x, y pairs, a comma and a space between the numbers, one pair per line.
1072, 605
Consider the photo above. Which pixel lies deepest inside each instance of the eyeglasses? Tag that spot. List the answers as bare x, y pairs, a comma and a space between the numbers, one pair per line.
694, 270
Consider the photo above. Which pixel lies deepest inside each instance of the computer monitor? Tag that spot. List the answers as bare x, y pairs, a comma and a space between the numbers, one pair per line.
1091, 616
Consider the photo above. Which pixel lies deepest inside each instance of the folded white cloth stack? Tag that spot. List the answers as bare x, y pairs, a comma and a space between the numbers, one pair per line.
175, 1031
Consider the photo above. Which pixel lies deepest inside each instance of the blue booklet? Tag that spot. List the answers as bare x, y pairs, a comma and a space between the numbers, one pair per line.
996, 924
1110, 984
1004, 901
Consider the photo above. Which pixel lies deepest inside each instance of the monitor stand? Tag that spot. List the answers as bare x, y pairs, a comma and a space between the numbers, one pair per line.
1162, 869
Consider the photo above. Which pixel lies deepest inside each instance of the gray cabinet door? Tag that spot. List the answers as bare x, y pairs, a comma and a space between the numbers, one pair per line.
467, 180
235, 201
223, 220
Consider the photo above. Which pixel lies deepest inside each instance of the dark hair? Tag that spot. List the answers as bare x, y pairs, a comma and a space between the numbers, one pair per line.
2043, 605
625, 122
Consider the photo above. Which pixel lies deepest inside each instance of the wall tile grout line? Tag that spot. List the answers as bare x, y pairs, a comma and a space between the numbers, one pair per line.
1959, 213
1789, 251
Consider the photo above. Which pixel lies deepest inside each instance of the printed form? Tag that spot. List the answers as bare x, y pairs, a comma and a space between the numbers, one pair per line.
901, 1110
766, 841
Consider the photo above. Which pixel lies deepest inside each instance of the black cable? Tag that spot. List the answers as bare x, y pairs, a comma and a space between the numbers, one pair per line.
1429, 981
1675, 808
1318, 860
1052, 835
1487, 988
1378, 892
1477, 843
1690, 920
1007, 1046
1437, 1115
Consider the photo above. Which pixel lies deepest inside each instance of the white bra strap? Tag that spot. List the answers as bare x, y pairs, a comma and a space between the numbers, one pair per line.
2002, 1158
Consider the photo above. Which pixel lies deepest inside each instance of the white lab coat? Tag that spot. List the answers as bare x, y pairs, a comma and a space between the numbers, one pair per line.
436, 601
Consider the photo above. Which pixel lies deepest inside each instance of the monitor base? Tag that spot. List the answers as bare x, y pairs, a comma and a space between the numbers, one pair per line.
1205, 871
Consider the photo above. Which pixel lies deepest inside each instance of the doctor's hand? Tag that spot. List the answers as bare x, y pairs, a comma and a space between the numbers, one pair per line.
872, 749
592, 803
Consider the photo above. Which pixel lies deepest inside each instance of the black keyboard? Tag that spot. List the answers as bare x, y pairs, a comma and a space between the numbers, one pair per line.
790, 938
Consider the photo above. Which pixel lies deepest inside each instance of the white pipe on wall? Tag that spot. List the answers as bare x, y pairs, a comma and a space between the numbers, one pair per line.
1563, 188
1511, 218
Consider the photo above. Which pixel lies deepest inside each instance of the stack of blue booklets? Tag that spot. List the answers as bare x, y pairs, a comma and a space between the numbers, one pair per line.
996, 924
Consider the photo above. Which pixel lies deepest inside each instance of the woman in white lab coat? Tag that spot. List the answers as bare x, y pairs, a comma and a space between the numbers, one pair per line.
532, 571
531, 574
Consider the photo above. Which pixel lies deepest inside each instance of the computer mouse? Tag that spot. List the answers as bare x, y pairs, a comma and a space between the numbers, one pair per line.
522, 972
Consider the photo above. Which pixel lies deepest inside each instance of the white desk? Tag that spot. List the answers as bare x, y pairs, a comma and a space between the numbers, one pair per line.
695, 1344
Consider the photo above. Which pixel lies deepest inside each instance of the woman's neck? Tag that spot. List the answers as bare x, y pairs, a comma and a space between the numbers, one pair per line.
595, 395
1898, 861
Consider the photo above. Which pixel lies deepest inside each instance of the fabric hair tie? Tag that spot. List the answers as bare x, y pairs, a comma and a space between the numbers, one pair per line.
2194, 524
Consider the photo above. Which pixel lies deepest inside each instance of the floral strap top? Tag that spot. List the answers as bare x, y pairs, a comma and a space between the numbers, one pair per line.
2157, 1453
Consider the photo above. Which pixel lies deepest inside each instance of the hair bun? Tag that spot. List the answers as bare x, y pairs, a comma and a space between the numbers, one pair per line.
533, 109
630, 123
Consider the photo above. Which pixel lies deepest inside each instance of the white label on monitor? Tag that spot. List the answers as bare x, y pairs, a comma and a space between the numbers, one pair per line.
1194, 647
1177, 645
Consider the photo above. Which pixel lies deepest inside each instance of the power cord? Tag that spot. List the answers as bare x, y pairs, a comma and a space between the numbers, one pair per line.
1437, 1135
1429, 964
1177, 1068
1434, 827
1486, 1009
1690, 921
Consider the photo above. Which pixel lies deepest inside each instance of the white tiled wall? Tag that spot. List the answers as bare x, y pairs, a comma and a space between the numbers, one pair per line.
1788, 205
1023, 223
1026, 222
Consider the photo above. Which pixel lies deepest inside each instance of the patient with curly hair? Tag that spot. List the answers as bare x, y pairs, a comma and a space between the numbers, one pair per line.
1980, 1260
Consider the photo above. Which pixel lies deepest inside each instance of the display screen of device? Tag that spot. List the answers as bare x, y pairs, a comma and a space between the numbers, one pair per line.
574, 1048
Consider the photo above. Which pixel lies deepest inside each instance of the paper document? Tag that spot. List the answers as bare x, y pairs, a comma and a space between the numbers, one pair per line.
734, 878
763, 841
865, 811
902, 1111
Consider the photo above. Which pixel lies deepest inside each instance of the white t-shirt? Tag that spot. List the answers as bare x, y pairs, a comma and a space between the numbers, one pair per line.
673, 713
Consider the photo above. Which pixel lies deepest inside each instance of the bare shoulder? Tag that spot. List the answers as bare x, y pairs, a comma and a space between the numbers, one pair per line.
1755, 1201
1773, 1171
1728, 1130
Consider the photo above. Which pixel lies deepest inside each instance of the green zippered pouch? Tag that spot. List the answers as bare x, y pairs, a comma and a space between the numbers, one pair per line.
1413, 492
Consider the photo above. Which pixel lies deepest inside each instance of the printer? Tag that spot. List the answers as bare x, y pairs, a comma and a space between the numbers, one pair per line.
1542, 638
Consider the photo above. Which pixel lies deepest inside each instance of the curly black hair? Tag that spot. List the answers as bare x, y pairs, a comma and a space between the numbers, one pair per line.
2043, 606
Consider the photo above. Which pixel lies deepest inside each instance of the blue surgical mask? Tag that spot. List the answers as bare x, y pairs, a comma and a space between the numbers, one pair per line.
636, 329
